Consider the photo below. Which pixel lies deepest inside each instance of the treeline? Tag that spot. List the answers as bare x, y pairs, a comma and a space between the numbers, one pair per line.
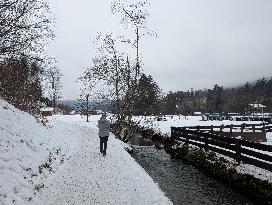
27, 74
215, 100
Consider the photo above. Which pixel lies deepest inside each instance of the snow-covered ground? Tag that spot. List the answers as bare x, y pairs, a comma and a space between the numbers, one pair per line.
182, 121
26, 148
61, 164
164, 127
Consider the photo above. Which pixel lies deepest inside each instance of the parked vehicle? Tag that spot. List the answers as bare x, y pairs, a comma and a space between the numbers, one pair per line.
161, 118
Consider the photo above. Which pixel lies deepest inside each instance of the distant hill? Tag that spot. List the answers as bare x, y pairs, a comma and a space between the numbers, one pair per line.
75, 104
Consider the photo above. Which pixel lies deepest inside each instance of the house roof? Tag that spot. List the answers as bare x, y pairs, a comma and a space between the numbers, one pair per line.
47, 109
257, 105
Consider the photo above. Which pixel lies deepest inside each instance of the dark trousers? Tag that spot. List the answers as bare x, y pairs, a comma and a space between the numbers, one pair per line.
103, 144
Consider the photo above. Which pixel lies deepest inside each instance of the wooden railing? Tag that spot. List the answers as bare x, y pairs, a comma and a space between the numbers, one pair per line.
263, 127
259, 155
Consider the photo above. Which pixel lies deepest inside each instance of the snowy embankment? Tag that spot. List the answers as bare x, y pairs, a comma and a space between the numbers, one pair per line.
164, 127
28, 150
61, 164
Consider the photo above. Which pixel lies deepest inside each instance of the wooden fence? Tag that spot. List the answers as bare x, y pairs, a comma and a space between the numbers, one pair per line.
259, 155
263, 127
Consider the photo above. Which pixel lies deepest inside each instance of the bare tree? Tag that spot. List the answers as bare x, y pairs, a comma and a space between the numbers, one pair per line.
85, 97
133, 15
24, 26
85, 105
54, 84
111, 77
115, 70
109, 69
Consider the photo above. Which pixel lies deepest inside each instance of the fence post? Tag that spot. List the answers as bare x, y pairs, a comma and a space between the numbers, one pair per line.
237, 150
198, 128
231, 127
211, 129
253, 128
206, 142
221, 129
187, 139
263, 127
242, 127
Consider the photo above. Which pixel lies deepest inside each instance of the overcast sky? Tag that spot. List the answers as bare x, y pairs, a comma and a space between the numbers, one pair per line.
200, 43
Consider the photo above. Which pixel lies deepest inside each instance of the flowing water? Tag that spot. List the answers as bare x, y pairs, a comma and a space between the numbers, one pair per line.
182, 183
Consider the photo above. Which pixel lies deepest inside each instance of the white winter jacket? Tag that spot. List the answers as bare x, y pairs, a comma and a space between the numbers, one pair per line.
104, 127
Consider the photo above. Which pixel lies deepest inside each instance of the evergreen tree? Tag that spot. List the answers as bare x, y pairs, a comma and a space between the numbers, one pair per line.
215, 100
148, 94
170, 103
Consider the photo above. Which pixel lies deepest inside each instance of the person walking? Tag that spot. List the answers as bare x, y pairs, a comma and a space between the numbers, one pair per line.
104, 128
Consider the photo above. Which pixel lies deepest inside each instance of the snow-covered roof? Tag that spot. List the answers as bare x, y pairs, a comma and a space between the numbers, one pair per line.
257, 105
47, 109
99, 111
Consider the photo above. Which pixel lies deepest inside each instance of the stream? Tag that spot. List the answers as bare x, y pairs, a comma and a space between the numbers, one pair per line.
182, 183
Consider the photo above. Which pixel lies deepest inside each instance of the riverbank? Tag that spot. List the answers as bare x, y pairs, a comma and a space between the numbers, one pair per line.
223, 170
61, 164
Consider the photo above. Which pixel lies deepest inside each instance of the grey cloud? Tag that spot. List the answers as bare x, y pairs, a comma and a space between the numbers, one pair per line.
200, 43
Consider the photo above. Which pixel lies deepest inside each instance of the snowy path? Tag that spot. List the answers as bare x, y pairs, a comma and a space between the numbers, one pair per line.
89, 178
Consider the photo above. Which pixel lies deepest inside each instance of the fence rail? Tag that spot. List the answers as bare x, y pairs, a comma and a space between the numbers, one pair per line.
259, 155
264, 127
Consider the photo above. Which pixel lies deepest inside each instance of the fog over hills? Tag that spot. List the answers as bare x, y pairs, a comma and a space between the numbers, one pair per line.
75, 104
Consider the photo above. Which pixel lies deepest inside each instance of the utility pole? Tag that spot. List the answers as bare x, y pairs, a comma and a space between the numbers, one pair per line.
128, 73
54, 93
137, 69
87, 106
137, 60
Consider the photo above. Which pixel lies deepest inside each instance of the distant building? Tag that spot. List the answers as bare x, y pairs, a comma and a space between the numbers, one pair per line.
73, 112
257, 107
216, 116
197, 113
47, 111
99, 112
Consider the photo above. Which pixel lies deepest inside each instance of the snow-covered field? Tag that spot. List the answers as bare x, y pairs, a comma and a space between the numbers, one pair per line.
182, 121
164, 127
61, 164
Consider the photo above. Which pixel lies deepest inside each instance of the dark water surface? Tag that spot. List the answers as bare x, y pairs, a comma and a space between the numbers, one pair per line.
182, 183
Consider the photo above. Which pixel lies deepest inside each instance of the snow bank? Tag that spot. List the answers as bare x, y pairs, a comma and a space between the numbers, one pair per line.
28, 151
22, 148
